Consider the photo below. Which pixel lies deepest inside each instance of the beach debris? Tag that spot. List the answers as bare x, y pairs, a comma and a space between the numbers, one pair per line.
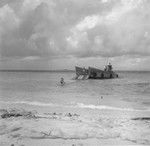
71, 115
17, 113
76, 115
7, 115
141, 118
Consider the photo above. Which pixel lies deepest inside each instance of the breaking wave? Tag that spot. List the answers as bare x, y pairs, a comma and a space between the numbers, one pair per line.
34, 103
101, 107
77, 105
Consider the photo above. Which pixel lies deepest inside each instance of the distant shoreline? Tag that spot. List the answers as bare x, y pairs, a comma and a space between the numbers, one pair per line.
37, 71
65, 70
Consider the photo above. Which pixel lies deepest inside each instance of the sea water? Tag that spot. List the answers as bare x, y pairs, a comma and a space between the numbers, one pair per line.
131, 91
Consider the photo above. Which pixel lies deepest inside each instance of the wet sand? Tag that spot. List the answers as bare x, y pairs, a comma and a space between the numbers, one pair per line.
73, 126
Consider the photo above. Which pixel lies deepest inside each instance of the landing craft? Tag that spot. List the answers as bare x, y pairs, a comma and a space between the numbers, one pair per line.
95, 73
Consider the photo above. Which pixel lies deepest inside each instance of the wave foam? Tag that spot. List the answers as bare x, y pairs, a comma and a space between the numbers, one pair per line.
34, 103
78, 105
101, 107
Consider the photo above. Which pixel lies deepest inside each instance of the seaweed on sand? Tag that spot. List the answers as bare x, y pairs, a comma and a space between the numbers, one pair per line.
141, 118
17, 113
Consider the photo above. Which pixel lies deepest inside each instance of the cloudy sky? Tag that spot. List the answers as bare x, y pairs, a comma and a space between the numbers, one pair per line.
58, 34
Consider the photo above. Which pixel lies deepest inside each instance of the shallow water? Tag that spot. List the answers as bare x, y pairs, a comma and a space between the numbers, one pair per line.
130, 91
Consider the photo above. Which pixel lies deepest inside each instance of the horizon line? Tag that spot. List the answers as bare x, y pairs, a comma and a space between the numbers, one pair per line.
54, 70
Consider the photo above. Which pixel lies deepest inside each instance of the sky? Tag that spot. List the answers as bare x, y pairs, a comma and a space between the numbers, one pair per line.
60, 34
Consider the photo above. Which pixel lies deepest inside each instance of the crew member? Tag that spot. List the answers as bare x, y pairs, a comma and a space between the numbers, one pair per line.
110, 67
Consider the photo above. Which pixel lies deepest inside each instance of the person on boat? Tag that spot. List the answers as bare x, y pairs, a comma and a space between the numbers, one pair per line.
109, 67
62, 82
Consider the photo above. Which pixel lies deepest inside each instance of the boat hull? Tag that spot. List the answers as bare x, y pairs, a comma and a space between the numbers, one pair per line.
94, 73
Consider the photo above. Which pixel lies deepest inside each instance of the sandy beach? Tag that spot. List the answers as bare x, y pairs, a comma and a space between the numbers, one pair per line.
78, 127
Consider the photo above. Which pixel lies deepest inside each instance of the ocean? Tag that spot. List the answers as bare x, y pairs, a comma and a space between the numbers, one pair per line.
130, 91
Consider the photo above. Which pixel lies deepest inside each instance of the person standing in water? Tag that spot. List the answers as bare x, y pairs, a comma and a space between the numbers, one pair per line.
62, 82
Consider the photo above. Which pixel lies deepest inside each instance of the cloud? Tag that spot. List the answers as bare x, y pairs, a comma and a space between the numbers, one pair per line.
48, 29
116, 33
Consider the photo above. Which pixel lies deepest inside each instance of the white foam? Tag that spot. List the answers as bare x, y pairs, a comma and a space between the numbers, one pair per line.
101, 107
34, 103
78, 105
